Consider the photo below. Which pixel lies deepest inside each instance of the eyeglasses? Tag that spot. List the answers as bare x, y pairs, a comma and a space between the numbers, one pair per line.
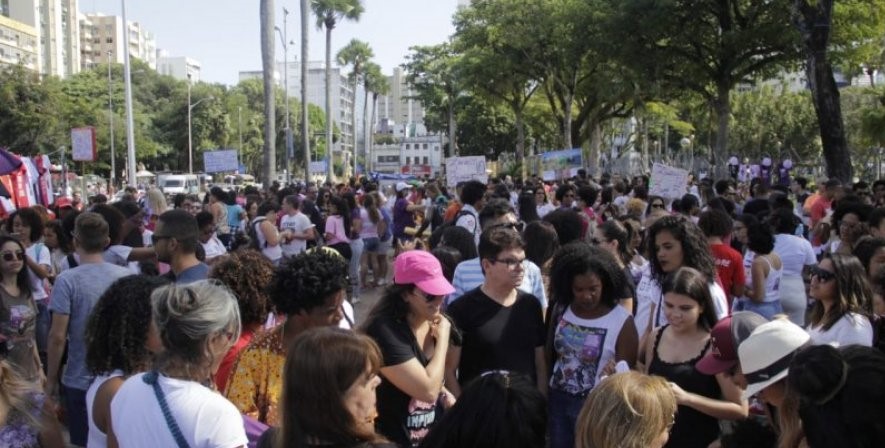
822, 275
10, 256
511, 263
156, 238
427, 297
518, 226
657, 205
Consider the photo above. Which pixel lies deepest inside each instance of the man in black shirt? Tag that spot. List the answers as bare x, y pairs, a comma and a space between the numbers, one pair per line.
502, 327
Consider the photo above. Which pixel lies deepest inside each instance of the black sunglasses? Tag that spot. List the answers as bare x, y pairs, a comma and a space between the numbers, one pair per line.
10, 256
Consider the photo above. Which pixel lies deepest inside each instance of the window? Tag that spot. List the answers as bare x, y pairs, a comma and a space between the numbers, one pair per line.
408, 160
424, 147
425, 159
408, 147
109, 40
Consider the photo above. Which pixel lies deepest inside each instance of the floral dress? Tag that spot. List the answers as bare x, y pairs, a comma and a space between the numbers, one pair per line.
256, 379
18, 431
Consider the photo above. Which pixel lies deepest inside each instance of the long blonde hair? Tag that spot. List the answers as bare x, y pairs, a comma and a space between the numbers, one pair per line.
626, 410
18, 394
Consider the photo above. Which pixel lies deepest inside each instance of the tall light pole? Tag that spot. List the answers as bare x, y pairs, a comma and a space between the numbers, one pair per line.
130, 126
111, 118
284, 36
190, 137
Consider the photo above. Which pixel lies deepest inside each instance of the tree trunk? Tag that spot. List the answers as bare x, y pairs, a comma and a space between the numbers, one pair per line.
520, 141
595, 145
330, 154
453, 152
268, 174
813, 19
356, 82
567, 121
722, 103
372, 128
305, 115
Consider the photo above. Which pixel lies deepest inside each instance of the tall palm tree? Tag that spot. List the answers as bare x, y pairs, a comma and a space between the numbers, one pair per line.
375, 82
267, 64
356, 54
329, 13
305, 132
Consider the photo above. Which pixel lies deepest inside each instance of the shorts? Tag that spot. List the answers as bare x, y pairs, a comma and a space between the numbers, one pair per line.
371, 244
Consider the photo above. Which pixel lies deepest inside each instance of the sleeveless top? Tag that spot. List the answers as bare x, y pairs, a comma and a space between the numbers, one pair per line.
583, 347
95, 436
692, 429
773, 282
222, 225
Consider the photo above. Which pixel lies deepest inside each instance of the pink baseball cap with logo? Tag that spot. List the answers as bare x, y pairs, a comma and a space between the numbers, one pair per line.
423, 270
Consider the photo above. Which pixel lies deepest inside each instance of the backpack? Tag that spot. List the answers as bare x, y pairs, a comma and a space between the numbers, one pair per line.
253, 233
438, 212
442, 228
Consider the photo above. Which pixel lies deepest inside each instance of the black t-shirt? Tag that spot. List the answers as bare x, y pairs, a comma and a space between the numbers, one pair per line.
628, 289
402, 419
497, 337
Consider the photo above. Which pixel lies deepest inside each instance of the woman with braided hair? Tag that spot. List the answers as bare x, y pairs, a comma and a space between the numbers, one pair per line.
120, 342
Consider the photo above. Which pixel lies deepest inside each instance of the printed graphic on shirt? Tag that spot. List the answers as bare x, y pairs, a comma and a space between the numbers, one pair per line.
421, 417
580, 349
21, 318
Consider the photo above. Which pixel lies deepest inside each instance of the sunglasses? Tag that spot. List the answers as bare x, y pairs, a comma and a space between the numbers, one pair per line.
822, 275
427, 297
11, 256
518, 226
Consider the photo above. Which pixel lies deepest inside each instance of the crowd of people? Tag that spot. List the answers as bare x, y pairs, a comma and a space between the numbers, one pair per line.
585, 312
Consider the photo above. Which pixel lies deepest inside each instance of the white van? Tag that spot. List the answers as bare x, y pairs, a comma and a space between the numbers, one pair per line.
173, 184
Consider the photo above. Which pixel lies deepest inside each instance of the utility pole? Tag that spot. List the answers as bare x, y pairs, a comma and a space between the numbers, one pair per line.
111, 119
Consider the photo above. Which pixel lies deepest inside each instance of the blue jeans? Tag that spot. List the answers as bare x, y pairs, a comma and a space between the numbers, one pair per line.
765, 309
563, 410
75, 415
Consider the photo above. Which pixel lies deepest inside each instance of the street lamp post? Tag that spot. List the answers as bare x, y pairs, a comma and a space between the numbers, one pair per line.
190, 137
111, 127
130, 122
287, 130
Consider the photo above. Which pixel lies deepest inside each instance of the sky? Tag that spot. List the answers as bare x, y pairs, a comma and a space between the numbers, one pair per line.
223, 35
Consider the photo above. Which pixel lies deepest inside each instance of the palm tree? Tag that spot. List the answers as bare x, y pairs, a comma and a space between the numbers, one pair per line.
305, 132
267, 64
377, 83
356, 53
329, 13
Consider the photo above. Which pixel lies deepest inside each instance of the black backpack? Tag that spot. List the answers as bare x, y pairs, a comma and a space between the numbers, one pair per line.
253, 233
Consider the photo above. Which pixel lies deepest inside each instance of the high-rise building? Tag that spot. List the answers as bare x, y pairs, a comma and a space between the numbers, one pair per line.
57, 32
106, 39
398, 107
18, 44
179, 67
342, 97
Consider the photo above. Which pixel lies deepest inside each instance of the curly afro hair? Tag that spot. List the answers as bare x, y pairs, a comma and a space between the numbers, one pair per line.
118, 326
247, 274
579, 258
305, 281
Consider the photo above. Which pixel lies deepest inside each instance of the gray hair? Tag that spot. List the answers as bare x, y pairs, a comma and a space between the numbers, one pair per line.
187, 316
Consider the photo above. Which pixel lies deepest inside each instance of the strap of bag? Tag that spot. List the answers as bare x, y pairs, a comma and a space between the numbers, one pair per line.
152, 378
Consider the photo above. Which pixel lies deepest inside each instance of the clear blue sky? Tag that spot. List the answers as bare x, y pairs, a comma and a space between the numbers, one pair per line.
224, 34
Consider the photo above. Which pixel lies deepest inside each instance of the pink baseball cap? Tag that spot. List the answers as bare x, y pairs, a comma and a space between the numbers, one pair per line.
422, 269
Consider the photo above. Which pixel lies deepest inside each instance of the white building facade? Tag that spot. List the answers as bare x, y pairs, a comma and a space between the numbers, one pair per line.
57, 33
179, 67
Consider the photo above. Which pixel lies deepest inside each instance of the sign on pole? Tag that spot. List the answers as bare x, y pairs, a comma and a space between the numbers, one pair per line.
462, 169
318, 167
219, 161
83, 144
667, 181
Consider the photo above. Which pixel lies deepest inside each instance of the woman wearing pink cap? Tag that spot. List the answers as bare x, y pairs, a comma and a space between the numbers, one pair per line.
413, 336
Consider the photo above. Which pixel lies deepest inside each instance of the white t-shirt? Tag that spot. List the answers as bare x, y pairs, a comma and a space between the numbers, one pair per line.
214, 248
97, 439
795, 253
298, 223
206, 419
850, 329
43, 258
